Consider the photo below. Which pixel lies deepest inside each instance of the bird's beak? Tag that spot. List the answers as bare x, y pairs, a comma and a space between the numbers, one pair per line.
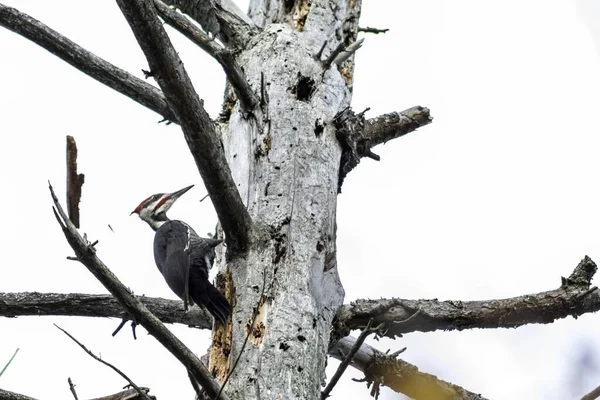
177, 194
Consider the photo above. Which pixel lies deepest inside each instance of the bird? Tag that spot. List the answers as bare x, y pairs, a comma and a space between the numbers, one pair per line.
183, 257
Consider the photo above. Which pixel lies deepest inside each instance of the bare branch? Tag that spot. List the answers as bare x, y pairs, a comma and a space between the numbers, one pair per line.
87, 256
129, 394
357, 135
85, 61
225, 57
399, 375
347, 360
95, 357
593, 395
221, 18
573, 298
6, 395
72, 388
198, 129
98, 305
74, 182
372, 30
385, 127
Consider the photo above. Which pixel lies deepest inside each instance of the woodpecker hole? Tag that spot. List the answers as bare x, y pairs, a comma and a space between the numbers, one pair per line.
319, 128
301, 338
284, 346
320, 246
304, 88
300, 368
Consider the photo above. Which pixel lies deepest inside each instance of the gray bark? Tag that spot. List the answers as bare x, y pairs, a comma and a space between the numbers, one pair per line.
287, 175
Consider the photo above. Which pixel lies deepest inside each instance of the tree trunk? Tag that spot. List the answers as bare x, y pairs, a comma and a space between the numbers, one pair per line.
286, 164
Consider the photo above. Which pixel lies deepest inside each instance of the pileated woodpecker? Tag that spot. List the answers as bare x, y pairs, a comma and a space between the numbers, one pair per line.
183, 257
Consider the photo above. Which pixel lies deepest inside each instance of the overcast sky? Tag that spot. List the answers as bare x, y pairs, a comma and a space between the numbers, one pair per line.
497, 198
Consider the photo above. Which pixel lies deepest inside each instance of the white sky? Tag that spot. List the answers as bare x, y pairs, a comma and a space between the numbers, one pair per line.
497, 198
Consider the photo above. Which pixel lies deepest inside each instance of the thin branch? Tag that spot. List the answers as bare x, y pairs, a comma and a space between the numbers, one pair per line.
224, 56
98, 305
348, 52
198, 128
593, 395
74, 182
399, 375
347, 360
87, 255
72, 388
573, 298
85, 61
95, 357
334, 53
372, 30
221, 18
9, 361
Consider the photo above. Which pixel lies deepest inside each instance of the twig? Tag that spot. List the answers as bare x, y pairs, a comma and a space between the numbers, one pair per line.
320, 52
198, 129
9, 361
85, 61
224, 56
329, 60
72, 388
348, 51
372, 30
74, 182
347, 360
95, 357
132, 304
204, 198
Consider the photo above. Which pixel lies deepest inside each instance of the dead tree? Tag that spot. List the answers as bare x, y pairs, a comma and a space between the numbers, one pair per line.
273, 165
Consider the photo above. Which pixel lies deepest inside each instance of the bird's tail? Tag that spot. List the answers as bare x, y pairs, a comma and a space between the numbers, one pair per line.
217, 304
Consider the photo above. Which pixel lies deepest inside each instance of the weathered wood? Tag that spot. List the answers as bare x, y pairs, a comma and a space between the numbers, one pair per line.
74, 182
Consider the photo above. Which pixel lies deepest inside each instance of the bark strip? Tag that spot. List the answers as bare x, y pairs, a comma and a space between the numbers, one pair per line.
198, 128
74, 182
104, 72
